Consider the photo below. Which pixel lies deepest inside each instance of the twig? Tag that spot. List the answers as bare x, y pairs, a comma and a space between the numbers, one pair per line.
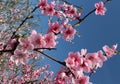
45, 48
6, 50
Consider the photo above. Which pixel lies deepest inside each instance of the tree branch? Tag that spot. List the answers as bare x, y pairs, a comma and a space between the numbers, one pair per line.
50, 57
6, 50
45, 48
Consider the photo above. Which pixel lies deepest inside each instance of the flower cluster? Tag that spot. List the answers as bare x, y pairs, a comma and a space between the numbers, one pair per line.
28, 75
65, 13
25, 48
82, 62
54, 8
65, 76
20, 51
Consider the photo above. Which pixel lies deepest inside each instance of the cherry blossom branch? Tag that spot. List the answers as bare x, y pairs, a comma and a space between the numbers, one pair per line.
89, 13
28, 16
92, 70
62, 63
13, 34
80, 20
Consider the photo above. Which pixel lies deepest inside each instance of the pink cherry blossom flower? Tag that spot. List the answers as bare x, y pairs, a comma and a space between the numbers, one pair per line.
10, 64
83, 52
100, 9
102, 58
57, 13
83, 80
68, 8
63, 76
50, 40
73, 60
70, 11
69, 33
25, 44
11, 43
49, 9
36, 74
1, 45
77, 16
33, 32
69, 62
96, 59
78, 73
114, 47
86, 65
73, 11
93, 57
27, 68
19, 57
37, 40
42, 4
55, 27
65, 22
25, 78
109, 52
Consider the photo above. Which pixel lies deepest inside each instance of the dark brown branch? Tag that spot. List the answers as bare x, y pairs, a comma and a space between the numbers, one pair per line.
45, 48
6, 50
50, 57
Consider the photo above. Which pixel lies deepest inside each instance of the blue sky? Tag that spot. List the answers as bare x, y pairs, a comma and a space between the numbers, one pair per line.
95, 31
